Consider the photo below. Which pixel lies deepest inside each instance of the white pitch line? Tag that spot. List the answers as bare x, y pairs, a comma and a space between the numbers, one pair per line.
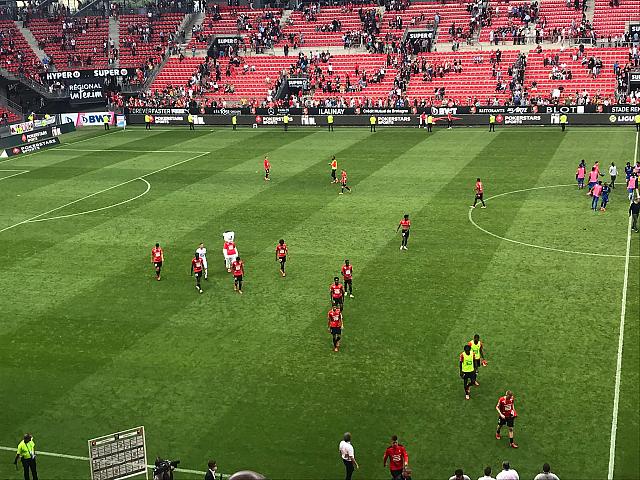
31, 220
122, 150
19, 172
542, 247
86, 459
46, 219
623, 311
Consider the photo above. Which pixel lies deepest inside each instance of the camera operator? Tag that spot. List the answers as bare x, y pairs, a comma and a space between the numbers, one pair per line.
164, 469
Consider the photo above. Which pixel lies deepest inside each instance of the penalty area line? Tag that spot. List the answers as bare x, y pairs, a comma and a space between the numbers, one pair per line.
623, 311
86, 459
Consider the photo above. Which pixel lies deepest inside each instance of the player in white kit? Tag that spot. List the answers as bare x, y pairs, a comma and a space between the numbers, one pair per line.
202, 253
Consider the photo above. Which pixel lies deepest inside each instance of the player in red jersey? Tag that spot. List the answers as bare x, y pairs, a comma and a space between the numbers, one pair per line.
405, 225
267, 168
157, 257
237, 267
336, 292
334, 323
343, 183
347, 276
479, 189
507, 415
398, 458
281, 255
197, 266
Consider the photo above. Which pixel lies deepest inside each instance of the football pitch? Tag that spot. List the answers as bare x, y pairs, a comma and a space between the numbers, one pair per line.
93, 344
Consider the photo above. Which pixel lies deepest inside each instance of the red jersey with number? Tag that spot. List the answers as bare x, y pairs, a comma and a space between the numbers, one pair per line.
336, 290
335, 318
237, 268
449, 116
196, 263
347, 271
479, 187
230, 248
397, 456
405, 224
343, 177
156, 254
267, 165
281, 250
506, 407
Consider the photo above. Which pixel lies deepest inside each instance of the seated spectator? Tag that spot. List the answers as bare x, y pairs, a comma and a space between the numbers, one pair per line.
487, 474
507, 473
459, 475
546, 474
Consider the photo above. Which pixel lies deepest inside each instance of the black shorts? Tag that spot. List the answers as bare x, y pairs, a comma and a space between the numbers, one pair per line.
479, 196
476, 363
266, 171
348, 281
333, 173
469, 375
405, 233
237, 278
337, 301
508, 421
336, 331
198, 275
282, 259
157, 264
344, 184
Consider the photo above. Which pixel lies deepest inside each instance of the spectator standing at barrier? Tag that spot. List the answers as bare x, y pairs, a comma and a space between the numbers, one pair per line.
398, 458
492, 123
546, 474
487, 474
507, 473
372, 123
211, 470
348, 456
459, 475
27, 455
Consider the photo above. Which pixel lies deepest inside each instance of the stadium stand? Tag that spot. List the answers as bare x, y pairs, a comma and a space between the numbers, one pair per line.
72, 42
145, 38
610, 18
16, 55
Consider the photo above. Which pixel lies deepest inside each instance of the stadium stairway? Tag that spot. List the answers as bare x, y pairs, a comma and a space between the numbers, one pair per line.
114, 34
31, 40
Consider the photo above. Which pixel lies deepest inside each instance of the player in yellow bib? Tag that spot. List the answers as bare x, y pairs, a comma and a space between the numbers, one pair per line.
478, 351
467, 370
334, 169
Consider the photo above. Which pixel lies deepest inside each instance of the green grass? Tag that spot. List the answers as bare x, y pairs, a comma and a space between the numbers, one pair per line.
92, 344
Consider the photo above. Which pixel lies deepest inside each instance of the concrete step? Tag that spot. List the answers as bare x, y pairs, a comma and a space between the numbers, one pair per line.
33, 43
114, 34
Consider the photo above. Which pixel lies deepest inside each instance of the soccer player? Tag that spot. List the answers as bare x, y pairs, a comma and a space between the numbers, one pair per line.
628, 170
593, 179
267, 168
347, 276
613, 173
507, 415
467, 370
449, 121
196, 268
606, 190
479, 191
334, 323
202, 251
334, 169
596, 191
230, 253
478, 353
157, 257
632, 184
238, 272
343, 183
336, 293
405, 225
281, 255
580, 174
398, 458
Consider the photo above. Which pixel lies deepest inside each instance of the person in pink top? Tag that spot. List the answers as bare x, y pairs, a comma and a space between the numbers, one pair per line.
596, 191
580, 173
593, 179
632, 184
